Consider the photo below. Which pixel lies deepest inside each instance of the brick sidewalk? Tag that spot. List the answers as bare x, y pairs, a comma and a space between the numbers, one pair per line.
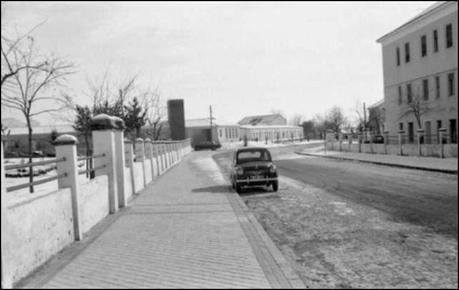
447, 165
184, 231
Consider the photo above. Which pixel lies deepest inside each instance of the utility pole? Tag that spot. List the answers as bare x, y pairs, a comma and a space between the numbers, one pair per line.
210, 110
364, 121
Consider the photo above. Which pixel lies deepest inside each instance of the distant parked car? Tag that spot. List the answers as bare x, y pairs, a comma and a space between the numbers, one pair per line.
253, 167
207, 145
377, 139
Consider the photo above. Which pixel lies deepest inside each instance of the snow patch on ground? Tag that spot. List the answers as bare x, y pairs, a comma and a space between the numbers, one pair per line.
341, 208
210, 168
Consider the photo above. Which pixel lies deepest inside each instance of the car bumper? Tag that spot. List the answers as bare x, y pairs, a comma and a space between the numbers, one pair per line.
256, 182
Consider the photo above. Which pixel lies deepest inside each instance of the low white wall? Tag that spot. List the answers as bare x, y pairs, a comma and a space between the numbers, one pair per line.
93, 201
127, 183
450, 150
138, 176
155, 167
40, 227
148, 170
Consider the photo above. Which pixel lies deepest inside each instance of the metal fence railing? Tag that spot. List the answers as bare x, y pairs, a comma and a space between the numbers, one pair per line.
31, 165
91, 171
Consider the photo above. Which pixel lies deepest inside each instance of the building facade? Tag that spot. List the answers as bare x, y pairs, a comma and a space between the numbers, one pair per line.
198, 130
269, 128
420, 74
272, 133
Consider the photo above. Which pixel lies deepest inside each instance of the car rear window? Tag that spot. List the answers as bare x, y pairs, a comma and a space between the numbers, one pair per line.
247, 156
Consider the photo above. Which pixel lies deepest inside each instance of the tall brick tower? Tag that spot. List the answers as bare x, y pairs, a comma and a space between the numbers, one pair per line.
176, 117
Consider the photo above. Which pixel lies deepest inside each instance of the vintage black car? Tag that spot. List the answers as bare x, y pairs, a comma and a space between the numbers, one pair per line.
207, 145
253, 167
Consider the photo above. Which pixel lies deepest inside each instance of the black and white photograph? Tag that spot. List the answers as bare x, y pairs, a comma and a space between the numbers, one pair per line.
229, 144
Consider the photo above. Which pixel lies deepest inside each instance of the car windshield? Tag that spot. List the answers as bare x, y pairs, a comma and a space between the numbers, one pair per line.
255, 155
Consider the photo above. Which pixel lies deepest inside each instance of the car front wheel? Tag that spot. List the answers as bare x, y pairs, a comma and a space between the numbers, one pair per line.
238, 188
275, 186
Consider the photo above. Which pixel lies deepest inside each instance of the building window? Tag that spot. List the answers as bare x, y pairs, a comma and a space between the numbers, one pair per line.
410, 132
437, 87
425, 89
409, 97
451, 84
423, 46
220, 132
438, 130
400, 100
407, 52
452, 131
435, 40
449, 35
398, 56
400, 126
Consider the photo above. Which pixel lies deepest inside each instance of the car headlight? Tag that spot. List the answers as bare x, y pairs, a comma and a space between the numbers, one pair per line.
239, 171
272, 168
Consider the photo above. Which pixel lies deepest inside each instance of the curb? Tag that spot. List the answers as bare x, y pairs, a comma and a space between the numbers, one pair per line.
448, 171
275, 265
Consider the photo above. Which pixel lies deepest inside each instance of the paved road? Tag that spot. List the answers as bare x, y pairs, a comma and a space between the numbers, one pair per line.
357, 225
419, 197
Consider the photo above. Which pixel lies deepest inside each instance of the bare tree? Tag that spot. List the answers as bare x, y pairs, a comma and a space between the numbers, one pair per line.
28, 86
336, 119
360, 114
155, 114
417, 105
296, 120
9, 47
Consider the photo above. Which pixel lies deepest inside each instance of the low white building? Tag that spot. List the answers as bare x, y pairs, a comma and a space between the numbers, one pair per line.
271, 133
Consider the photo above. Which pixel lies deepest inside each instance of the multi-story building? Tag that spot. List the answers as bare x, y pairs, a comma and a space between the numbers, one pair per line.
420, 74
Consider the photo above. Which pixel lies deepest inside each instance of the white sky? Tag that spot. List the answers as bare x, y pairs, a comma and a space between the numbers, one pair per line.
243, 58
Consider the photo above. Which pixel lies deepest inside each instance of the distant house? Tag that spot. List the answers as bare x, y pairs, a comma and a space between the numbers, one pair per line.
198, 130
16, 144
269, 127
376, 117
273, 119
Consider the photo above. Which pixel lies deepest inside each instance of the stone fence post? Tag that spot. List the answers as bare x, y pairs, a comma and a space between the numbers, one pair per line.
120, 160
65, 146
157, 158
386, 140
371, 142
442, 132
129, 159
340, 140
140, 156
149, 155
420, 135
400, 142
103, 139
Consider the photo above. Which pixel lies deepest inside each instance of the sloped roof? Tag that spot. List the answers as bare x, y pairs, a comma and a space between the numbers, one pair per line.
205, 122
424, 12
259, 120
379, 103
